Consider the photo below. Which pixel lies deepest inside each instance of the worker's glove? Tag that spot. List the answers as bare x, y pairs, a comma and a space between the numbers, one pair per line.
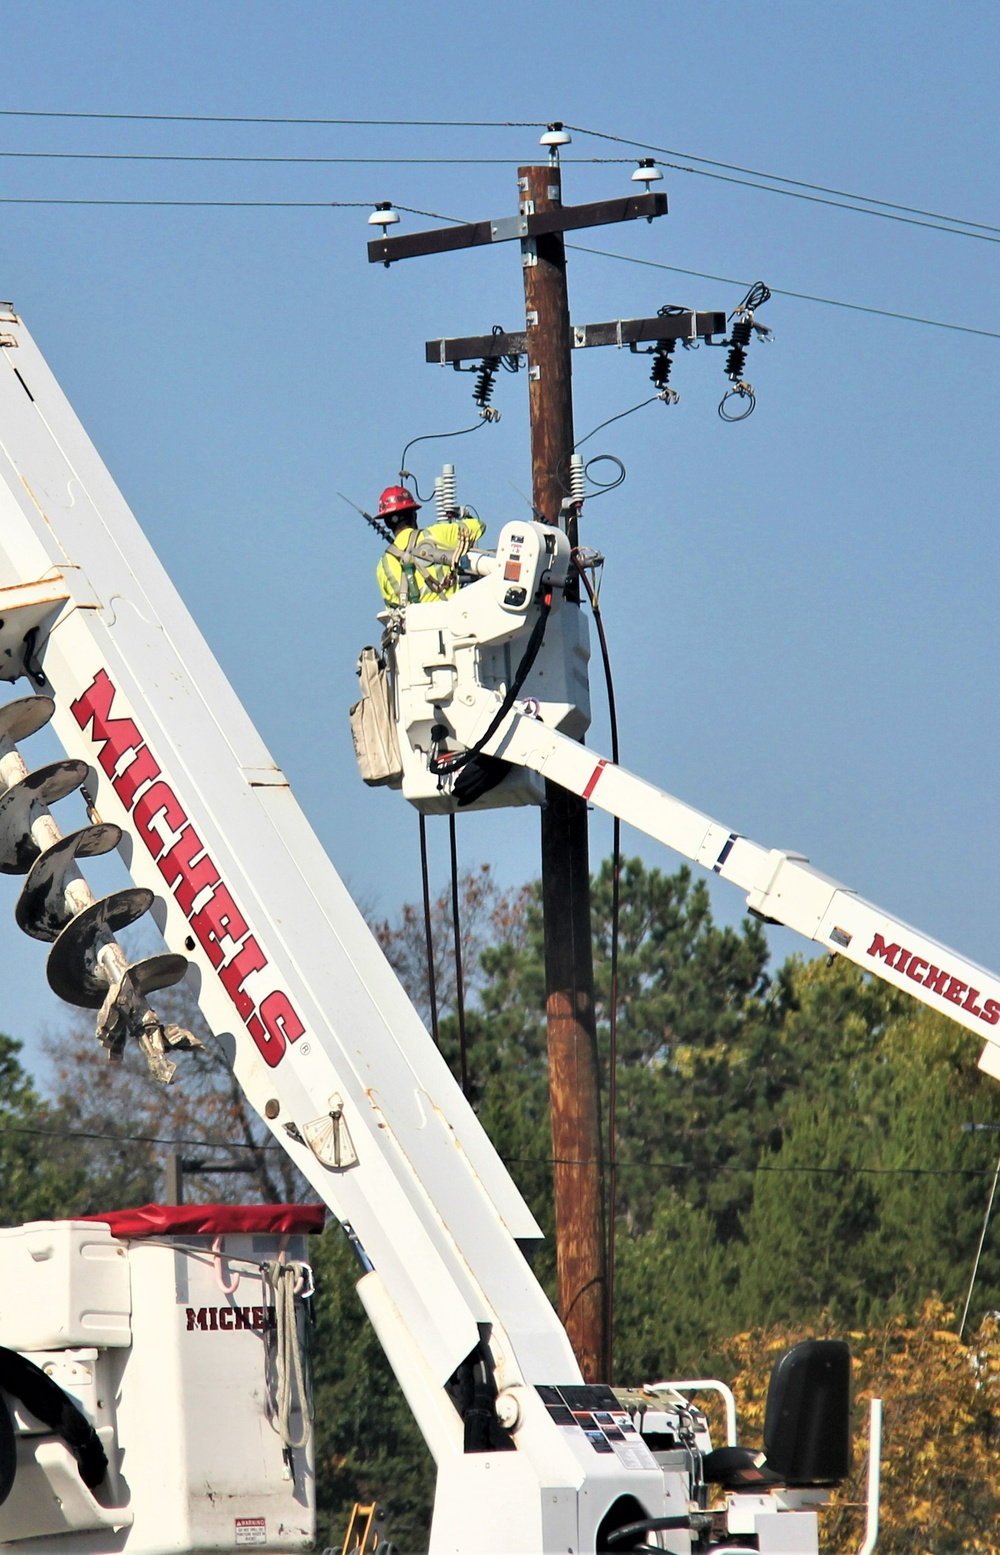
464, 544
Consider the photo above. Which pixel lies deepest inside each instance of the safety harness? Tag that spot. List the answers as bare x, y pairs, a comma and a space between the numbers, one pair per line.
420, 555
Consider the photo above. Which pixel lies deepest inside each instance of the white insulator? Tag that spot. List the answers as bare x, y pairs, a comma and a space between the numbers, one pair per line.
444, 491
383, 216
577, 481
647, 173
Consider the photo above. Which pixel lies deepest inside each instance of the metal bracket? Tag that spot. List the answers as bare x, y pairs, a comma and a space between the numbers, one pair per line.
507, 227
529, 253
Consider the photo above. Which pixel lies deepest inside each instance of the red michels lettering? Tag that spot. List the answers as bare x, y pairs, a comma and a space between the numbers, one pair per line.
936, 979
172, 842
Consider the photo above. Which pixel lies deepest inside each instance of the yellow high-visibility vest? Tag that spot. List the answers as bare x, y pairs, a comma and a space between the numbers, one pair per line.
432, 576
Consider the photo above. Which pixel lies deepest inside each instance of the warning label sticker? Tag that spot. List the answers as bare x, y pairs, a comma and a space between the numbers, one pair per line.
251, 1530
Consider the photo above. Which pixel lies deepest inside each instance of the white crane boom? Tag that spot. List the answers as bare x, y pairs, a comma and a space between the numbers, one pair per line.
781, 887
318, 1031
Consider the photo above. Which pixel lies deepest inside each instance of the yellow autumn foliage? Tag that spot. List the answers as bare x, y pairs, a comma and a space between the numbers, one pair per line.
941, 1436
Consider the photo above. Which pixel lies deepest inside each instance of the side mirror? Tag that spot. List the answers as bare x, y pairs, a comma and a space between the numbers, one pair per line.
807, 1424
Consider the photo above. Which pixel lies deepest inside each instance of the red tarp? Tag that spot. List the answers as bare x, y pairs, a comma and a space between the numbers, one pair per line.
212, 1219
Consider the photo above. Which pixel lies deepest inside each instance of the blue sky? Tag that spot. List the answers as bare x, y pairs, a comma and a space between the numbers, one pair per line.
801, 608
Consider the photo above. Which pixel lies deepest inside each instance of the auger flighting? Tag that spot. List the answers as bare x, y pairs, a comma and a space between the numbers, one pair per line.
87, 966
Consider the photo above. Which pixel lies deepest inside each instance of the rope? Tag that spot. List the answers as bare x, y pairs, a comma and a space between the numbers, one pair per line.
286, 1279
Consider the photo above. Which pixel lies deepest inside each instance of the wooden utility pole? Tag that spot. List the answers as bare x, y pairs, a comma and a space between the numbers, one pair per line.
548, 340
574, 1075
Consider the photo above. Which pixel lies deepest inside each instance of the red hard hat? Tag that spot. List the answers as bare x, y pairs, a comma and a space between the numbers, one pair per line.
396, 499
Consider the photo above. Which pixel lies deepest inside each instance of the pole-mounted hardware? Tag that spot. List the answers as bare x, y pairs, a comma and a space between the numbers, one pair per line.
616, 332
528, 224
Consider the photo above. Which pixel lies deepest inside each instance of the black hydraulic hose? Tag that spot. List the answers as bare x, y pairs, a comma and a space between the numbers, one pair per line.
453, 762
43, 1397
428, 932
648, 1525
616, 875
463, 1054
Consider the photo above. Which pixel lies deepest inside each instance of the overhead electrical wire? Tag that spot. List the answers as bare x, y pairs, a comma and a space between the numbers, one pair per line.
803, 189
796, 183
133, 1139
221, 118
778, 291
527, 1160
580, 248
520, 124
717, 1166
159, 156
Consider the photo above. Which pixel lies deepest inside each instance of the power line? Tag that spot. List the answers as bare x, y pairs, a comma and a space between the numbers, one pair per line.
268, 205
778, 291
840, 205
689, 1169
733, 167
134, 1139
218, 118
317, 205
653, 264
798, 188
516, 1160
367, 205
159, 156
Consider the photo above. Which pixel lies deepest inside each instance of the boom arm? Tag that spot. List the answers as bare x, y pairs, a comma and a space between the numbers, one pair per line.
781, 887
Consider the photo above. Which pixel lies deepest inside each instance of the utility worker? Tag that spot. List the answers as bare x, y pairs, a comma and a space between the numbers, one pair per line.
421, 564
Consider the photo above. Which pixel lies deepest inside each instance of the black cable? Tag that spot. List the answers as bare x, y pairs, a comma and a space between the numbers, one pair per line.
818, 199
130, 1139
620, 417
829, 302
463, 1051
714, 1167
219, 118
455, 761
616, 862
213, 157
184, 118
267, 205
734, 167
428, 934
430, 437
778, 291
526, 1160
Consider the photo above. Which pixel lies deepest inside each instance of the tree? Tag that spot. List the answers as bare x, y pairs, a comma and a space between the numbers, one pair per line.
870, 1196
941, 1445
119, 1123
35, 1184
368, 1447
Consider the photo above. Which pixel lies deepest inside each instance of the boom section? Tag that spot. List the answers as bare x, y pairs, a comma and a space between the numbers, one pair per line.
320, 1034
781, 887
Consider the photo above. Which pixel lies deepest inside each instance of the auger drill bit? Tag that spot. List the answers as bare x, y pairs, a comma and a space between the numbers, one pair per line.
86, 966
